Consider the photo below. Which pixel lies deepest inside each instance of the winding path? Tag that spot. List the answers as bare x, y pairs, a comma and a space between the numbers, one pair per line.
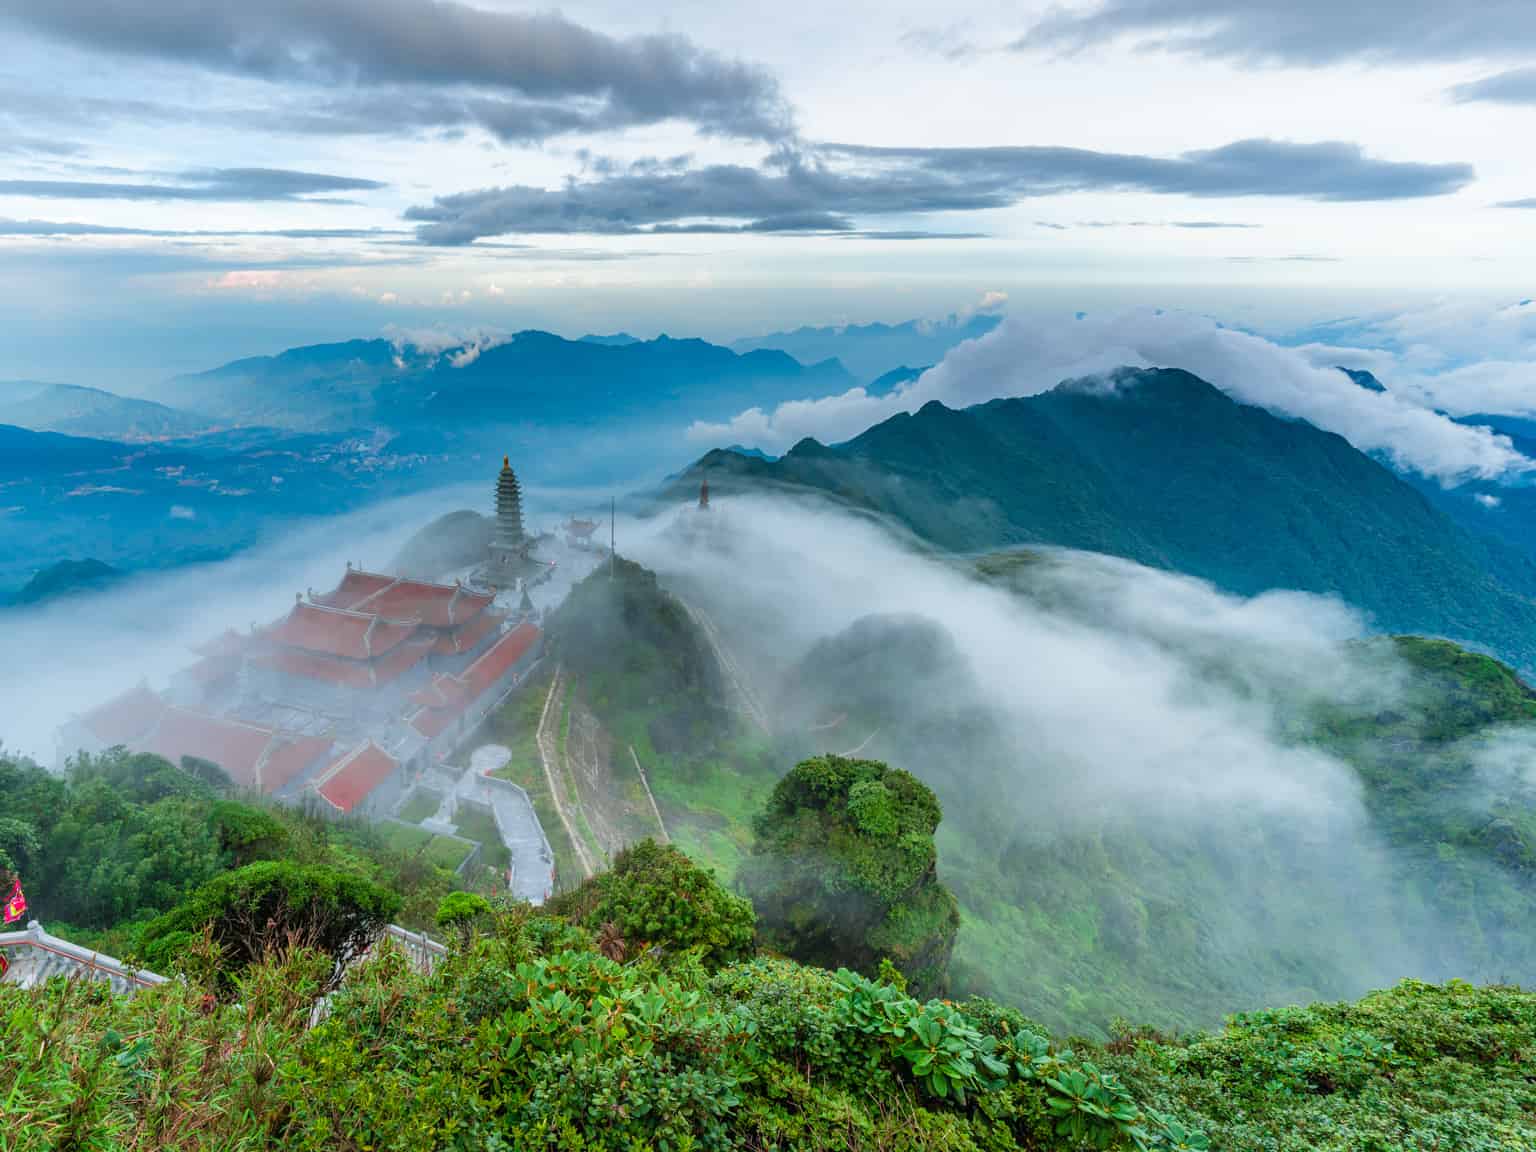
548, 756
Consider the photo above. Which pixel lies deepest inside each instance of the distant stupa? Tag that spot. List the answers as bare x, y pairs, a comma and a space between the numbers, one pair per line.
704, 495
509, 543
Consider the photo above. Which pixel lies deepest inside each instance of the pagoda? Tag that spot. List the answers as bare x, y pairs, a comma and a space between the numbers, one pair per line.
509, 542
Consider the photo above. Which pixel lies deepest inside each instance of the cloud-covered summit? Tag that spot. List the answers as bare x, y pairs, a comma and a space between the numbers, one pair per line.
520, 75
833, 183
1022, 359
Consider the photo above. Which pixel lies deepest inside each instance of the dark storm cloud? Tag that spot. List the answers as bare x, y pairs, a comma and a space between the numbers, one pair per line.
431, 62
1517, 86
206, 184
845, 181
1305, 32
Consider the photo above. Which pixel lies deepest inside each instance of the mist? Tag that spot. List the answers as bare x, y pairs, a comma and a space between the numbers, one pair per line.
68, 656
1027, 357
1086, 709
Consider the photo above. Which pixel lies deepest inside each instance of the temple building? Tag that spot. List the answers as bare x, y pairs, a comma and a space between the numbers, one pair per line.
351, 694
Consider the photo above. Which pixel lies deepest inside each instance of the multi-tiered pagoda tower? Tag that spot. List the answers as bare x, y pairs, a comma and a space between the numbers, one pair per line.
509, 541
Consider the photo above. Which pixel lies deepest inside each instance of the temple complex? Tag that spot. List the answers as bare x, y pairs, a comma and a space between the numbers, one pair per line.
353, 693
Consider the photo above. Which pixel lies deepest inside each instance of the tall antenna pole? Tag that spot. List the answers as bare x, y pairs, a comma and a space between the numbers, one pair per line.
613, 513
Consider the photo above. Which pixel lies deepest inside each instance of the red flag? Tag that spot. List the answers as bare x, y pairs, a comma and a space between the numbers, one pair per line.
16, 906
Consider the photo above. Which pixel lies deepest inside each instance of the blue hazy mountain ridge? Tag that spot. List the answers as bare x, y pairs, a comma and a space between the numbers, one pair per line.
68, 578
871, 350
91, 412
156, 506
532, 378
1169, 471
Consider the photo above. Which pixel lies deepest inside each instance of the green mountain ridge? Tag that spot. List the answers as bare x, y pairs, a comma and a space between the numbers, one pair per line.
1166, 470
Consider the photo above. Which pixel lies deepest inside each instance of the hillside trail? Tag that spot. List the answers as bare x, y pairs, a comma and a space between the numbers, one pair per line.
746, 701
554, 775
645, 780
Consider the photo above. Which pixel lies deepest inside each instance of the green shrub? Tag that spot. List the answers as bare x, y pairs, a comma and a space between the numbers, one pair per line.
843, 872
271, 905
654, 896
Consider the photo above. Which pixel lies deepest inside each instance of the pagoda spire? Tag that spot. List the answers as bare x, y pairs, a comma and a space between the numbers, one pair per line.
508, 535
704, 495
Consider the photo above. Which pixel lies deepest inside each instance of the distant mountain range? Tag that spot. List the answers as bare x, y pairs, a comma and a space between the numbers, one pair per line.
871, 350
79, 411
1169, 471
533, 378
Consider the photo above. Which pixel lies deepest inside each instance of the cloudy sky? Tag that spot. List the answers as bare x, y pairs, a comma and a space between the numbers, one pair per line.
183, 181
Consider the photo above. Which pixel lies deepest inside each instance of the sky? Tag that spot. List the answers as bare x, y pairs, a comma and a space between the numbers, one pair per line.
182, 183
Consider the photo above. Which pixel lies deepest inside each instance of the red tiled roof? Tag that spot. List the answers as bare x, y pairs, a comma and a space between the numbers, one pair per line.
349, 781
464, 638
436, 605
337, 632
500, 657
234, 746
287, 760
442, 692
126, 718
353, 673
447, 696
432, 722
356, 585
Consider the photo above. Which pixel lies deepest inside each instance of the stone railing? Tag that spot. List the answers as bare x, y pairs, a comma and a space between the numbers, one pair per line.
35, 956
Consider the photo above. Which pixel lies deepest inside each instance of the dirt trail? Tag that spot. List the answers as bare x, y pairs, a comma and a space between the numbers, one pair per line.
747, 702
554, 773
661, 824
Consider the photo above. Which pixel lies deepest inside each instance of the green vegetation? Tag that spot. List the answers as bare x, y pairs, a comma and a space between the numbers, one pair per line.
637, 654
445, 852
257, 909
1418, 1067
530, 1037
1265, 503
461, 911
844, 871
655, 897
477, 823
647, 672
121, 839
421, 804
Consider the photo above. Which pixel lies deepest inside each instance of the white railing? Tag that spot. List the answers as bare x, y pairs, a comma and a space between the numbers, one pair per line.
35, 955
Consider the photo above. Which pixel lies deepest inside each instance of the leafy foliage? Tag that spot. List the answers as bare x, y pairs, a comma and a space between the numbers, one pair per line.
655, 896
261, 907
844, 871
122, 838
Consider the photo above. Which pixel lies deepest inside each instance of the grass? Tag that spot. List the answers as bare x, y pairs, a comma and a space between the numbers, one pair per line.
448, 851
444, 851
422, 803
562, 756
476, 823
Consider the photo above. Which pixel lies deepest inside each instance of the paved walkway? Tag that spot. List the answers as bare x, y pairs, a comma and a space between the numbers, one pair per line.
532, 859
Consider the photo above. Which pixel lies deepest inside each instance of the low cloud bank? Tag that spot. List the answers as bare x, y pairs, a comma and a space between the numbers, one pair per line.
1023, 358
1140, 723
